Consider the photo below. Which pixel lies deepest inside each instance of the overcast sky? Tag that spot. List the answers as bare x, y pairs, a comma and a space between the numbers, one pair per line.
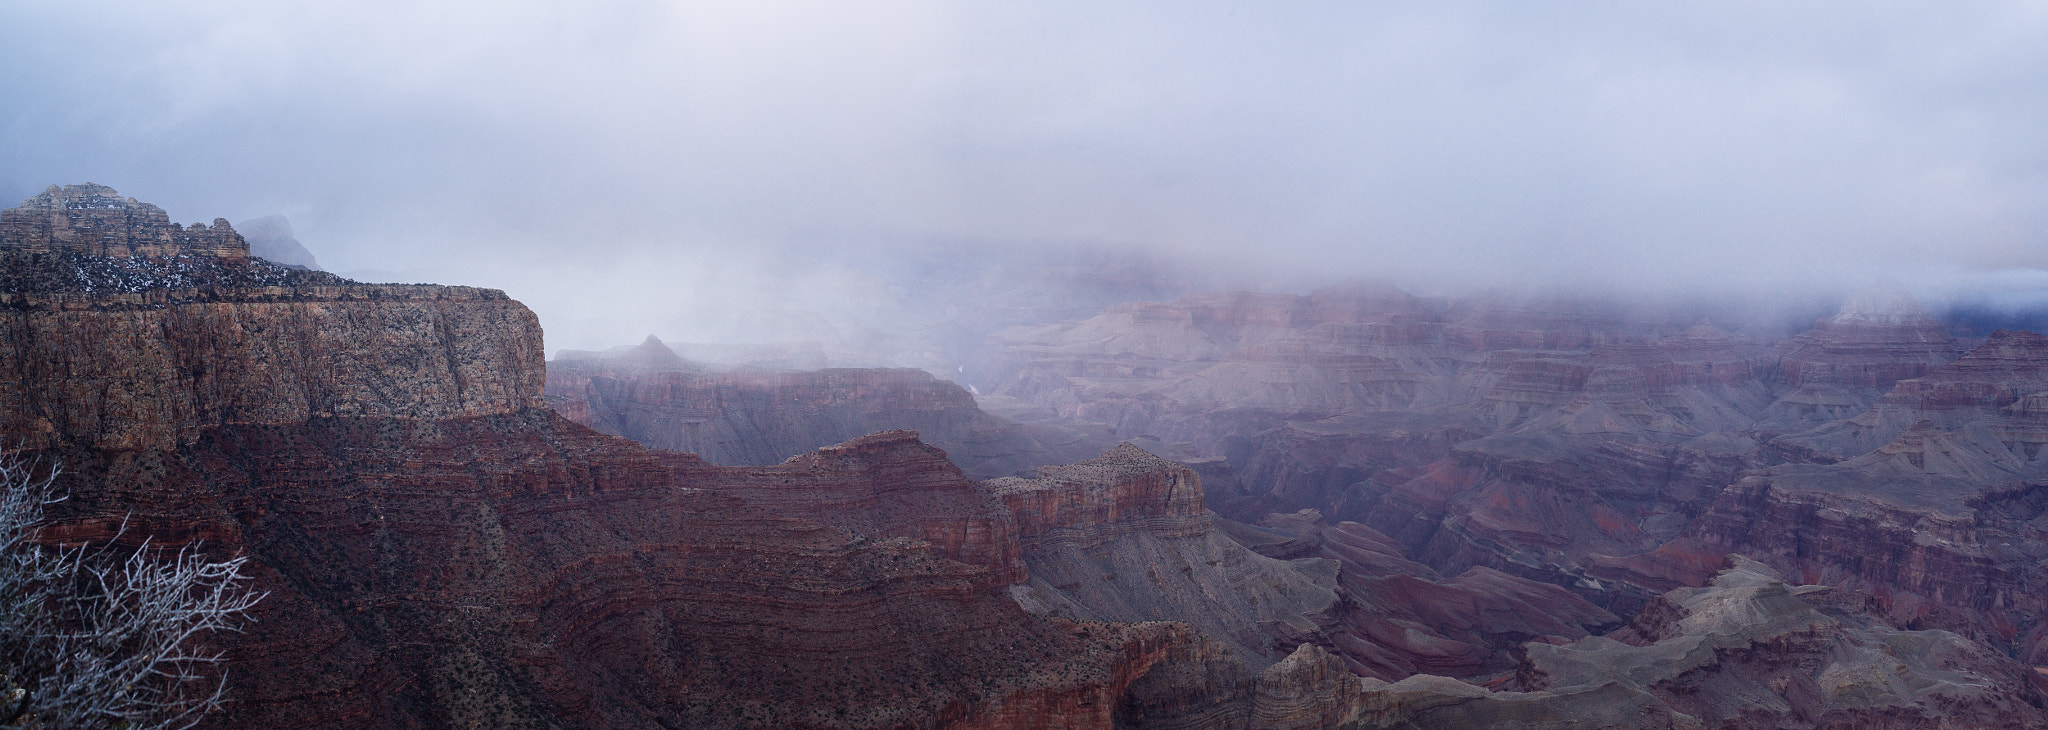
636, 167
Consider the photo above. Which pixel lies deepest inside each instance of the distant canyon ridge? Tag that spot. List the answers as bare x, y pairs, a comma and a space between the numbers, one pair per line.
1351, 508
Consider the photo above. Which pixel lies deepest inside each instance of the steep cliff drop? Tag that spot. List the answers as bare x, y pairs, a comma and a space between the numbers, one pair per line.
443, 551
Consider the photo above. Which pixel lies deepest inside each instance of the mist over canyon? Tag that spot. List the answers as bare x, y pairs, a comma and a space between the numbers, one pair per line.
930, 366
712, 173
1353, 507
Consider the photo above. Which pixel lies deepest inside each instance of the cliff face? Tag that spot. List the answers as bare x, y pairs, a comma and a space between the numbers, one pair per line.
1941, 519
1422, 497
152, 370
514, 570
441, 550
757, 417
1879, 338
2007, 367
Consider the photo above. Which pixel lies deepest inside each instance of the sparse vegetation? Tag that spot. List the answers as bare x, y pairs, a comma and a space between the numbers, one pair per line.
96, 636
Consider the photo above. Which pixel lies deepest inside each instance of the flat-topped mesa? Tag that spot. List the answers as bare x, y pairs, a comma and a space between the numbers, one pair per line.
96, 221
881, 442
1099, 496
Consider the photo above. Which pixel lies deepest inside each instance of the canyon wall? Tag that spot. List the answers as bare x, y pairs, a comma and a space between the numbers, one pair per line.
440, 550
1616, 453
1438, 515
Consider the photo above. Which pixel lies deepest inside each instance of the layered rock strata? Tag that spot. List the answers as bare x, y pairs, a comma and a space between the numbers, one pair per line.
1125, 537
887, 484
1614, 454
1749, 650
439, 549
1944, 522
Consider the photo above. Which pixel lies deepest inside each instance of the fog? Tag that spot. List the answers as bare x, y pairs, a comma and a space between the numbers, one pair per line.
765, 171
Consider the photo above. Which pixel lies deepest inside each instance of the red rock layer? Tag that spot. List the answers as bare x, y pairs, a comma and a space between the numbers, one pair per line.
884, 484
519, 570
1399, 617
1095, 500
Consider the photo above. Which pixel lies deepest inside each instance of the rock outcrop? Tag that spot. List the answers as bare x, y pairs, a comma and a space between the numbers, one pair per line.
1124, 537
1430, 509
154, 370
94, 220
1839, 367
1942, 521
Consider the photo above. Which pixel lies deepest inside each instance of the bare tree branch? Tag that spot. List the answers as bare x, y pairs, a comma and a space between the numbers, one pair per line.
101, 636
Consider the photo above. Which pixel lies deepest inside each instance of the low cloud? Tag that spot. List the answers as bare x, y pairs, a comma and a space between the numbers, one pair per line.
635, 167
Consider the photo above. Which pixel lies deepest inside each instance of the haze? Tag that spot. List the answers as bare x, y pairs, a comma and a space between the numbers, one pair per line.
701, 170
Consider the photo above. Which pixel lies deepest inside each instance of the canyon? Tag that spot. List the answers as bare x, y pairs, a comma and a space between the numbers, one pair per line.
1349, 508
757, 416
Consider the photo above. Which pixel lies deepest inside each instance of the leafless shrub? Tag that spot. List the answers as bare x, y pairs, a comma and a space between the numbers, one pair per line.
106, 637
